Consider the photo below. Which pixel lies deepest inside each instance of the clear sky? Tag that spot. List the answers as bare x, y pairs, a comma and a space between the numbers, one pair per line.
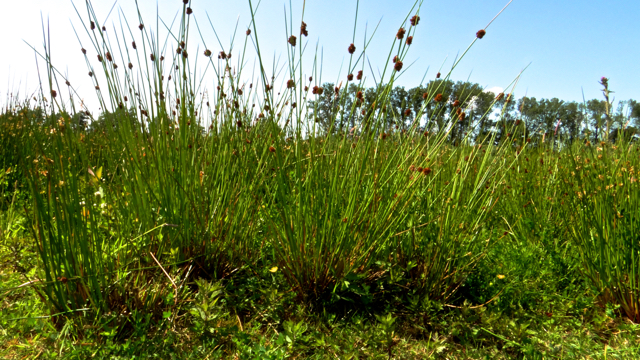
570, 44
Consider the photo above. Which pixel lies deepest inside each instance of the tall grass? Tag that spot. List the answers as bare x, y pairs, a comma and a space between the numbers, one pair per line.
603, 180
171, 185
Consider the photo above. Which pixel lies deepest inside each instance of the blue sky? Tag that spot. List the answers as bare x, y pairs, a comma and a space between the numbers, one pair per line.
569, 44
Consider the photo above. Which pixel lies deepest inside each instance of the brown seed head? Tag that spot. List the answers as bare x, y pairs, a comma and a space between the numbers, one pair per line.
462, 116
185, 1
398, 65
189, 11
53, 93
407, 112
303, 29
99, 58
130, 66
108, 56
500, 97
426, 171
350, 77
292, 40
359, 77
134, 45
352, 49
456, 103
400, 34
409, 40
104, 28
415, 20
207, 53
359, 95
395, 59
438, 98
248, 32
184, 54
425, 95
152, 57
141, 27
481, 33
93, 25
84, 51
272, 149
68, 83
438, 76
291, 83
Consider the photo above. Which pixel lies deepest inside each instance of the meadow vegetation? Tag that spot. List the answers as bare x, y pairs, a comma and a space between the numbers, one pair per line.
278, 217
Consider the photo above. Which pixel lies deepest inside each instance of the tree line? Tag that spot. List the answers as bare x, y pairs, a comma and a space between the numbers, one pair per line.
466, 109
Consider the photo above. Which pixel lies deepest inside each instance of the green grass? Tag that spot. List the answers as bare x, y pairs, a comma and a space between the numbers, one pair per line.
244, 226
